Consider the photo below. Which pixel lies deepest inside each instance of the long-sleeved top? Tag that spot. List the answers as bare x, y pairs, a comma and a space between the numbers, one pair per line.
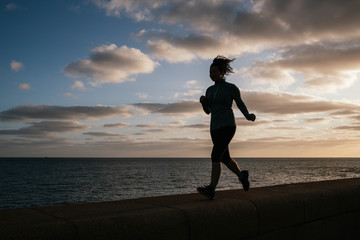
219, 101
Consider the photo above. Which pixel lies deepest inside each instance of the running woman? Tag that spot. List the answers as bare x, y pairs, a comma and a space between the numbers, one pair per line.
218, 102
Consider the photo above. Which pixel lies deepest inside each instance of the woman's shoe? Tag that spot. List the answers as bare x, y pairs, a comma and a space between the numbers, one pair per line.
207, 192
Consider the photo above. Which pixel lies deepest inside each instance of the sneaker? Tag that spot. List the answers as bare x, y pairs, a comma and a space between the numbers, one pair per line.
244, 179
207, 192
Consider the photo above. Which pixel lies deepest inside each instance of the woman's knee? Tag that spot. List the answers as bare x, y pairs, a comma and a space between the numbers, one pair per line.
215, 158
216, 155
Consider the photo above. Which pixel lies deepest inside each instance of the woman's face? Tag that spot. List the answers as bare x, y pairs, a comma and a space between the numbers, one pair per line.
215, 74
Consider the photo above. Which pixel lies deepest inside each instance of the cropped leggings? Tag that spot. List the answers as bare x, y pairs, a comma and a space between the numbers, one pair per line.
221, 139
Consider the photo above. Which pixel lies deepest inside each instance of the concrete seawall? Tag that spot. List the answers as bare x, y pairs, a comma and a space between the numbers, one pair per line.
319, 210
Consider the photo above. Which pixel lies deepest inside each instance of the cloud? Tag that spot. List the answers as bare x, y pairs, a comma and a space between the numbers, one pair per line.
177, 123
324, 19
137, 9
326, 57
102, 134
24, 113
260, 102
289, 104
16, 66
241, 121
24, 86
202, 17
314, 120
194, 89
264, 74
117, 125
69, 95
110, 64
182, 107
142, 95
190, 93
192, 84
184, 49
154, 131
46, 128
328, 67
237, 27
197, 126
12, 6
178, 127
78, 85
345, 112
149, 125
355, 127
179, 147
282, 128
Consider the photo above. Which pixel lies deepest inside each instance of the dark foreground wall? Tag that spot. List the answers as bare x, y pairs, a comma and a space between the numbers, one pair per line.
320, 210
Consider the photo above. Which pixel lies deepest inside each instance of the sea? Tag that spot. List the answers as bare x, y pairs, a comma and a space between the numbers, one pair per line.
33, 182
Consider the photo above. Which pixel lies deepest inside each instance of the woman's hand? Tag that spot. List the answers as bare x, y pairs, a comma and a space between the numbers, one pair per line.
203, 99
205, 105
251, 117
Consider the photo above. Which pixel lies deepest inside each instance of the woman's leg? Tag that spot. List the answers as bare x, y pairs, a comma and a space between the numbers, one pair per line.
242, 175
233, 166
215, 174
220, 152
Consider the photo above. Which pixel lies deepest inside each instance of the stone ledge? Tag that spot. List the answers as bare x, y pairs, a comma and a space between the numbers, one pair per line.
311, 210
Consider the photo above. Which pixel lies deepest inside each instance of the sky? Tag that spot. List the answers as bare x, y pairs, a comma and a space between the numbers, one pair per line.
122, 78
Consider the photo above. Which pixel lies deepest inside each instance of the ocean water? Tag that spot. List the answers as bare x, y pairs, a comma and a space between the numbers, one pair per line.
30, 182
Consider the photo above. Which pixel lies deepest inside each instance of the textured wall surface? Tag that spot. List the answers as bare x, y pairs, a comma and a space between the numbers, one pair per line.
318, 210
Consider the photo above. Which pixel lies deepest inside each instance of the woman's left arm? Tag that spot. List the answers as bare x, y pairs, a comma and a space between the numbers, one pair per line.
205, 105
241, 105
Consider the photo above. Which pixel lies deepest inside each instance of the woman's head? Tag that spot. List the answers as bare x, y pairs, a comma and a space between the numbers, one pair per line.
220, 67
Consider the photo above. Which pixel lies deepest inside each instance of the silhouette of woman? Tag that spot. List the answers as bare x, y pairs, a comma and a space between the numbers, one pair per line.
218, 101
